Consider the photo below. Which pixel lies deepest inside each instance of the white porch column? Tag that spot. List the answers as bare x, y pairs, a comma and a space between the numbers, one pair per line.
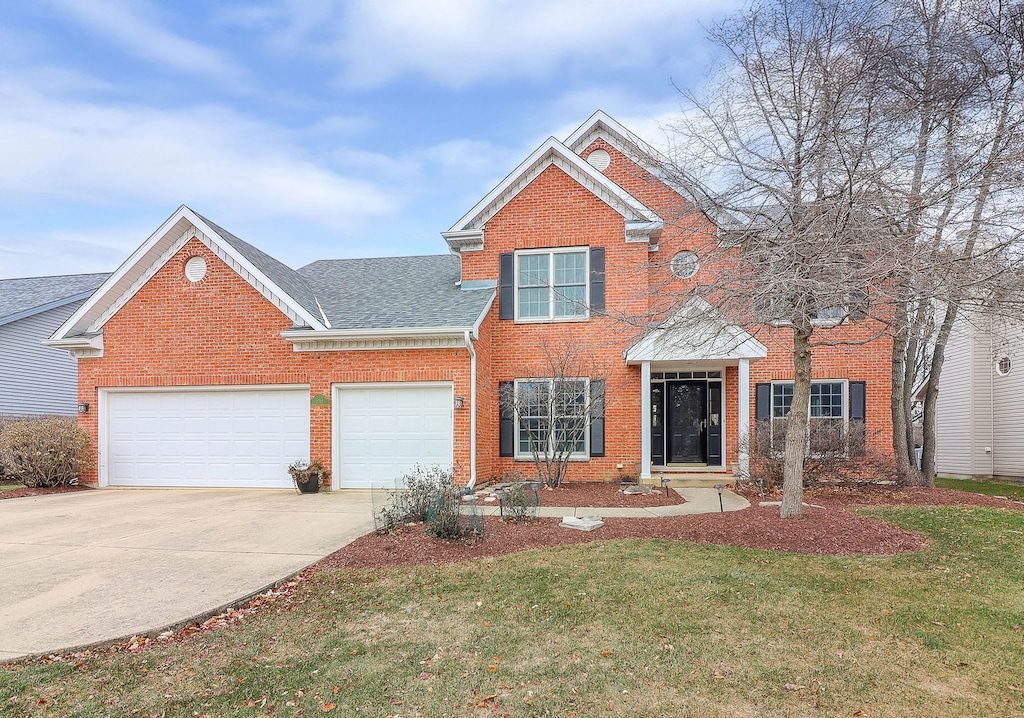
743, 423
645, 420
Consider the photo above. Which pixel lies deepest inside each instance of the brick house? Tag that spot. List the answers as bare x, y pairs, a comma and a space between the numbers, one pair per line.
209, 363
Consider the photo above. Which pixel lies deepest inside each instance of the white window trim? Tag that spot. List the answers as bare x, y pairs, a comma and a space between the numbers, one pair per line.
846, 407
574, 456
551, 286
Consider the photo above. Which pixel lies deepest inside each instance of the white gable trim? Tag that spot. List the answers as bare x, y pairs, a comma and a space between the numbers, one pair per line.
552, 152
152, 255
697, 332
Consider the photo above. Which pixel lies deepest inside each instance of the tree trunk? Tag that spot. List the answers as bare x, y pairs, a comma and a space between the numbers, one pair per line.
796, 427
906, 470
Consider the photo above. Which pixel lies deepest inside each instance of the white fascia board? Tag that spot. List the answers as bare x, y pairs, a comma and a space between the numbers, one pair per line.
391, 333
553, 152
239, 258
697, 332
119, 274
140, 261
640, 152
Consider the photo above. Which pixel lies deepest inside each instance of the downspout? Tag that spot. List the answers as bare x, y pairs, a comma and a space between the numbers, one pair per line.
472, 409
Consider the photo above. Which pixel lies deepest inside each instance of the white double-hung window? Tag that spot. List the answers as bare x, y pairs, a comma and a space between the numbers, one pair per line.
551, 284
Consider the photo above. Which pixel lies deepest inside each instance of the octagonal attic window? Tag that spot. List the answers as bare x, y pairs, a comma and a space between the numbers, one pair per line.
195, 269
685, 264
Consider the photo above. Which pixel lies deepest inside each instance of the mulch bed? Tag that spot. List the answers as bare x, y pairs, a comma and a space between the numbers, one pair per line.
605, 495
40, 491
827, 528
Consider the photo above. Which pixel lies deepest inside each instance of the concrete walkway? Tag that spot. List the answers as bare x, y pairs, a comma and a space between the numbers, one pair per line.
97, 566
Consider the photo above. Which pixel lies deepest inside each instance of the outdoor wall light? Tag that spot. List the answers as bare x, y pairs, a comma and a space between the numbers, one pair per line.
459, 402
83, 407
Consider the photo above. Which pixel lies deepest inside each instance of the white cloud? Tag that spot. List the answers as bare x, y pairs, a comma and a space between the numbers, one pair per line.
134, 27
208, 156
458, 43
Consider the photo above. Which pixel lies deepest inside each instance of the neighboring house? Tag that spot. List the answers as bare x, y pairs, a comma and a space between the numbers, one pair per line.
36, 379
979, 419
207, 362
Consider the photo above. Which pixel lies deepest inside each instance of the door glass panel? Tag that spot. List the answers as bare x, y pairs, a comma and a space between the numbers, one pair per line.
686, 414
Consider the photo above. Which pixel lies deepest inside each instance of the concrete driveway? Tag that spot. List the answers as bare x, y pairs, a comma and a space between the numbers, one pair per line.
80, 568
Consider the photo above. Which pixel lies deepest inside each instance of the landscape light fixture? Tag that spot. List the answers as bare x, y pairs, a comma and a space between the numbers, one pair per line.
760, 487
719, 488
665, 481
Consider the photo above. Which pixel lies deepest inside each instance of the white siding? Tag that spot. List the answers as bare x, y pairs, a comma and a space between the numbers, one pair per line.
954, 414
35, 378
980, 415
1008, 403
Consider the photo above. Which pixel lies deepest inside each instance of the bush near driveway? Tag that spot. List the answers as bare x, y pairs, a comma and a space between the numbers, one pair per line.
44, 452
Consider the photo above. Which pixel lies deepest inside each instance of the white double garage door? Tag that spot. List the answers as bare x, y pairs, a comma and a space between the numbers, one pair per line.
247, 437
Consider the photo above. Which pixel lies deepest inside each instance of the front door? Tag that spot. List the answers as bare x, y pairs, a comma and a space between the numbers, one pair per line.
686, 419
686, 422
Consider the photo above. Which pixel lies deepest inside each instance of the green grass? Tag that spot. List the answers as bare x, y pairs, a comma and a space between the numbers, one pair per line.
989, 488
8, 487
624, 628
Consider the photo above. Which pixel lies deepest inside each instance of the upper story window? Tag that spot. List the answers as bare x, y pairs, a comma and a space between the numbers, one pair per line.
551, 284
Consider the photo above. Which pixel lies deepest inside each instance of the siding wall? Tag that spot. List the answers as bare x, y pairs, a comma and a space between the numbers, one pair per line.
980, 415
35, 378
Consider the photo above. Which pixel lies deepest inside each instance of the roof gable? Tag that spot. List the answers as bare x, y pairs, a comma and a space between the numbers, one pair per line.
467, 233
697, 332
273, 280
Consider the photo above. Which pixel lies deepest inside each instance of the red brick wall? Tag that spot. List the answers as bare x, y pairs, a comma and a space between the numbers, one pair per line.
221, 331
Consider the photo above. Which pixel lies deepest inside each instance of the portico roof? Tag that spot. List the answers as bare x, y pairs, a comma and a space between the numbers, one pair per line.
696, 333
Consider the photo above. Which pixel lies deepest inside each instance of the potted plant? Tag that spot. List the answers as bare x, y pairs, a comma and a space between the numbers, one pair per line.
308, 476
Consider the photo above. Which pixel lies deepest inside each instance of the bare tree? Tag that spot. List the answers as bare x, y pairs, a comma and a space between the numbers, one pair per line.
786, 137
955, 88
553, 412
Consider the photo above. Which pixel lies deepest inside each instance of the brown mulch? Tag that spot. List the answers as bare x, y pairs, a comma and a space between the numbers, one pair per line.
605, 495
827, 528
40, 491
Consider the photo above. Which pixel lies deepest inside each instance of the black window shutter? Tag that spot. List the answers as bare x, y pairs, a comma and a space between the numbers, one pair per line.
506, 276
507, 419
597, 279
597, 417
858, 413
763, 411
858, 308
858, 408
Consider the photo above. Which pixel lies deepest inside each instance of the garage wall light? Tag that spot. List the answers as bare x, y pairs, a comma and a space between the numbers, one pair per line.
459, 402
83, 408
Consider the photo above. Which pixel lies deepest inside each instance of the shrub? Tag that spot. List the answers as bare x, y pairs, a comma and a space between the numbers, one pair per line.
431, 496
45, 452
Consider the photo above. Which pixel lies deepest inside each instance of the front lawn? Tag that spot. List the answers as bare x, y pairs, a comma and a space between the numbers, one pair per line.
628, 627
989, 488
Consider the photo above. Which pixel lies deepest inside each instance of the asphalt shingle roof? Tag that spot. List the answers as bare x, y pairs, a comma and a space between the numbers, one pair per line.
20, 296
395, 292
277, 272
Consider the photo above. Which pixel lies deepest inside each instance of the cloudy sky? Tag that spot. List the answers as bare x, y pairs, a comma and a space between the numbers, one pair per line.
310, 128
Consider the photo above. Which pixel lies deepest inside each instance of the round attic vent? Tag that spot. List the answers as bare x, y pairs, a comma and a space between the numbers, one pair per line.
599, 160
195, 269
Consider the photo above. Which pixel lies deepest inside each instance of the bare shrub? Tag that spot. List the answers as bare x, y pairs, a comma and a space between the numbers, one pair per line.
836, 453
45, 452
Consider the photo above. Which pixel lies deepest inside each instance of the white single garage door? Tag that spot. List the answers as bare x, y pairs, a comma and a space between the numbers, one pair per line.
210, 437
383, 430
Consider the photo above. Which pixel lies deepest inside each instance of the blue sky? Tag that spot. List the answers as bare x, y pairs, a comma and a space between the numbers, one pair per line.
312, 129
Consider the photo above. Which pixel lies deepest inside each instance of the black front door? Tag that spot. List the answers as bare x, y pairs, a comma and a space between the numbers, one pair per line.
686, 422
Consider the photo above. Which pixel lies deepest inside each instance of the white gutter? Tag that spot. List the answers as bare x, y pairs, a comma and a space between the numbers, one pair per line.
472, 409
372, 333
